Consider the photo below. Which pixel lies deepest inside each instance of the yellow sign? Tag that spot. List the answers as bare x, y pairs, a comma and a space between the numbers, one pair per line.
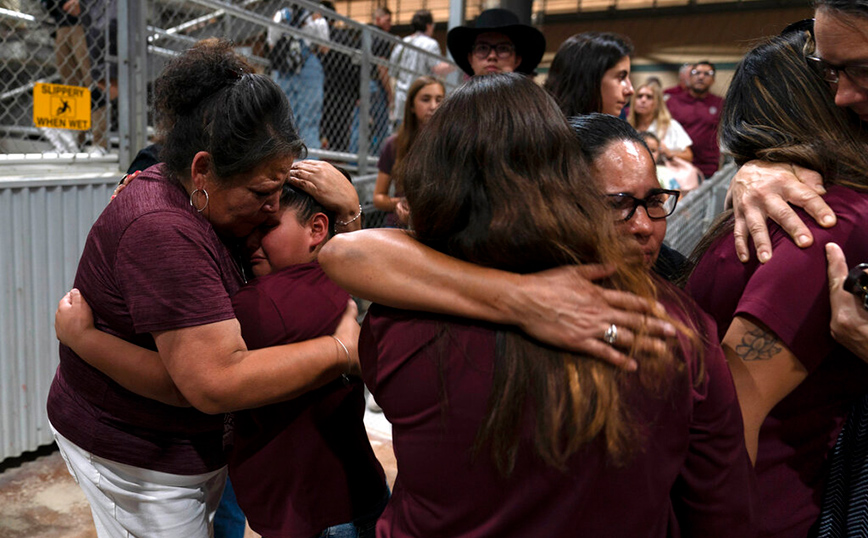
57, 106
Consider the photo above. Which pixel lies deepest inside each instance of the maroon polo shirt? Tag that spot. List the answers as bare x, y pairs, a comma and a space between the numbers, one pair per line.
700, 118
432, 376
790, 295
301, 466
150, 263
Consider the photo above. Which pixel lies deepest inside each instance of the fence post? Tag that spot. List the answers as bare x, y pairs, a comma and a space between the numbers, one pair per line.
365, 102
132, 79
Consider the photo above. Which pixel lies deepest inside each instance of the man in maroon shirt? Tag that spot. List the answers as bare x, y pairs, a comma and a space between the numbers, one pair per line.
698, 110
683, 81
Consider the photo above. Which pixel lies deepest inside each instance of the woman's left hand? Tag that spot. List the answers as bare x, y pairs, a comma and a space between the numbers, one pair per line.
73, 318
330, 188
849, 318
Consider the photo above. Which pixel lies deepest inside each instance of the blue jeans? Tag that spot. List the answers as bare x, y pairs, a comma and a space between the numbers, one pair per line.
229, 521
305, 93
361, 527
379, 121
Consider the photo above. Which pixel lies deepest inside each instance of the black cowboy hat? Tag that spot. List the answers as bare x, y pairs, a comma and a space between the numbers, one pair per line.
529, 42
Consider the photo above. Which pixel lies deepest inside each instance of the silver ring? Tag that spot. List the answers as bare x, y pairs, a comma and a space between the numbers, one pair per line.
611, 334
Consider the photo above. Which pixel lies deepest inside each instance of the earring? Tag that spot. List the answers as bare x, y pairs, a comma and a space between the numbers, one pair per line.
192, 194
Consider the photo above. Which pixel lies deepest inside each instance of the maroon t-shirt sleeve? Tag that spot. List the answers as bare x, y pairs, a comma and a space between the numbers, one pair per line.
170, 273
387, 156
715, 494
789, 294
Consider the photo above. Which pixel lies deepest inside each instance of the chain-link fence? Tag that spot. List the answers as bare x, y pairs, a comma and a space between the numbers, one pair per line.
697, 211
335, 71
40, 42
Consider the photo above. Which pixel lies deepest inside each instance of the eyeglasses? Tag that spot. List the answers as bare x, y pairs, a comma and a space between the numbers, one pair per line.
832, 73
503, 50
659, 204
697, 72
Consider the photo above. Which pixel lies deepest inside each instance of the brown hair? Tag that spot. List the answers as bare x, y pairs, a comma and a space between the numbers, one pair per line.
521, 201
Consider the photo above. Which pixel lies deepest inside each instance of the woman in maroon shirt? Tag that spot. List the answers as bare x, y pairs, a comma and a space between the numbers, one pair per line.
496, 434
158, 269
795, 384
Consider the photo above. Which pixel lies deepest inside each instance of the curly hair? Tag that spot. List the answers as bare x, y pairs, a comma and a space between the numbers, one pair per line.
210, 99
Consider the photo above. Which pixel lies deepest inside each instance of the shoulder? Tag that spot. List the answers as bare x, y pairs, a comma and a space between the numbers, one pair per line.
290, 305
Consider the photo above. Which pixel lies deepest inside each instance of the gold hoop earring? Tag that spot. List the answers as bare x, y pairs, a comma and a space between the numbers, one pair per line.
192, 194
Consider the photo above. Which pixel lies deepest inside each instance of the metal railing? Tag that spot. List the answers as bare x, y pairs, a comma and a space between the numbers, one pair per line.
695, 213
339, 101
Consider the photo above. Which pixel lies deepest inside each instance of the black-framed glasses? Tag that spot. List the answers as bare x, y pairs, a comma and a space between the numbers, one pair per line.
658, 204
503, 50
832, 73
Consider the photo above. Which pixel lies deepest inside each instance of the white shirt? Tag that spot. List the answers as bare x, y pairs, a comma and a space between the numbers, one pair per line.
676, 138
412, 65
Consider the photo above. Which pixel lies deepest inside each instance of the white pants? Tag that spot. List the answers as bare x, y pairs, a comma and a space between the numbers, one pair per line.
129, 501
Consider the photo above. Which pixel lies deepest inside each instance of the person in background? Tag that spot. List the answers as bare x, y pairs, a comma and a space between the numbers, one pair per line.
303, 84
683, 81
674, 173
411, 63
424, 97
381, 85
497, 43
649, 113
496, 434
98, 19
591, 73
70, 54
340, 86
698, 110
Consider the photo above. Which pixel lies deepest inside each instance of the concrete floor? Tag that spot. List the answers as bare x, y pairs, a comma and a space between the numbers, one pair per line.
39, 499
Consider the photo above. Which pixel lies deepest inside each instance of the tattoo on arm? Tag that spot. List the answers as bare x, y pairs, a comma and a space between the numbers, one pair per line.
758, 345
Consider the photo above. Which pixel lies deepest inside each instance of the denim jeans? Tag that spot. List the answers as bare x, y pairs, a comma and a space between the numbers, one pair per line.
361, 527
379, 123
229, 521
305, 93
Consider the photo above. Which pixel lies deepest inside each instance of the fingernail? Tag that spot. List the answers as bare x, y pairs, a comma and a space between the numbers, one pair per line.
802, 240
827, 220
742, 257
669, 329
632, 366
113, 196
764, 256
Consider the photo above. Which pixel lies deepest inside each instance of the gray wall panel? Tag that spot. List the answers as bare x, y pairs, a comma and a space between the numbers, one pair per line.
46, 223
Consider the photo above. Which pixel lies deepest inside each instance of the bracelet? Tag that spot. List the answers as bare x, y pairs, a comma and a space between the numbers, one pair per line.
347, 351
352, 220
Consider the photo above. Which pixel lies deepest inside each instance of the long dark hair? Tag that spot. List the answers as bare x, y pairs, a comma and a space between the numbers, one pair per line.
210, 99
520, 201
577, 70
778, 109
